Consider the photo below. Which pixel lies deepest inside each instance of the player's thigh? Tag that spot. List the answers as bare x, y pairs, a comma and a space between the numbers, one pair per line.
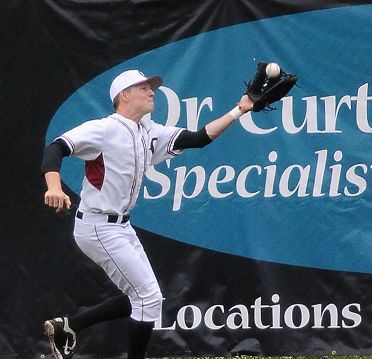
119, 252
133, 272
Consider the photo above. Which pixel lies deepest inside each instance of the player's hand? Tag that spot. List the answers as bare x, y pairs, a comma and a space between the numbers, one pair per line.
245, 104
57, 199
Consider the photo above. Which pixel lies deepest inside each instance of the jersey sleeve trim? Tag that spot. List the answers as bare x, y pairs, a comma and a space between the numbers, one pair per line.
170, 147
68, 142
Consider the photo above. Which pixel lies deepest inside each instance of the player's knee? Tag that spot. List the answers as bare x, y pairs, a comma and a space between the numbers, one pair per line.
157, 300
147, 308
153, 304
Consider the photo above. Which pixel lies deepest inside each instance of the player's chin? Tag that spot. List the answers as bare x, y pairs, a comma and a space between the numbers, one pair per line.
151, 107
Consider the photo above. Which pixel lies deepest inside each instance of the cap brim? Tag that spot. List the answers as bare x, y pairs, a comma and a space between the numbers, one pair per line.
155, 82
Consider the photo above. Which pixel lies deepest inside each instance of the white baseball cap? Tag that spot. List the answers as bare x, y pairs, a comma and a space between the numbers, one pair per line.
130, 78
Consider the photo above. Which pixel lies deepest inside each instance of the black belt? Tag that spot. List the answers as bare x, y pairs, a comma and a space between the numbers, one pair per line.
111, 218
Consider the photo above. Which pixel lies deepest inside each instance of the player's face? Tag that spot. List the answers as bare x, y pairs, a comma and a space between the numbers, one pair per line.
141, 98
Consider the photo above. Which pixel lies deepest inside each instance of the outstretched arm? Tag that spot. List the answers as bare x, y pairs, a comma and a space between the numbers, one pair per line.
216, 127
201, 138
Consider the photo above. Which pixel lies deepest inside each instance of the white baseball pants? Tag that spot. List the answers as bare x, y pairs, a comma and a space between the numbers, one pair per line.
117, 249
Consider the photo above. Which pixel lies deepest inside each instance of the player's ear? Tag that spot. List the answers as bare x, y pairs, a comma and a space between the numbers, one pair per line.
124, 96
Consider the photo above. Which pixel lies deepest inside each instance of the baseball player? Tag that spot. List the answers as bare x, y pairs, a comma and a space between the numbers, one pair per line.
117, 150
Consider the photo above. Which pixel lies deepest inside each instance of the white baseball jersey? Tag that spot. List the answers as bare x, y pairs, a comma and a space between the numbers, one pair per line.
117, 151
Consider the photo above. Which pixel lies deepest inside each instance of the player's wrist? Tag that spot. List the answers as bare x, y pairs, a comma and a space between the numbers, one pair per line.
236, 112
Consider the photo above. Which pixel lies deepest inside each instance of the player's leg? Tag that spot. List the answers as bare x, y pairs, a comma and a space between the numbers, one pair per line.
112, 308
140, 330
119, 252
62, 331
139, 337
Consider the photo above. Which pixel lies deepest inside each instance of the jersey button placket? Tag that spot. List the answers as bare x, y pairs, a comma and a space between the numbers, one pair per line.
138, 161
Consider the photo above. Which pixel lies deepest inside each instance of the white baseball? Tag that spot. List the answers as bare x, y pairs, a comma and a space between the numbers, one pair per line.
272, 69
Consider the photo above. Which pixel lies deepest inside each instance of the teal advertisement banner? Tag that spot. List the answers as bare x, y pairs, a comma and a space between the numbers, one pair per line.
283, 180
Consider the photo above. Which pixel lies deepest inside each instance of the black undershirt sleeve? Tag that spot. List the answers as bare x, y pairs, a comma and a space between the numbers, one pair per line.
191, 139
53, 155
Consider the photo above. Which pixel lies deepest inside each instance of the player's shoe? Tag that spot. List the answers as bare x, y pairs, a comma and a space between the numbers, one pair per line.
62, 338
